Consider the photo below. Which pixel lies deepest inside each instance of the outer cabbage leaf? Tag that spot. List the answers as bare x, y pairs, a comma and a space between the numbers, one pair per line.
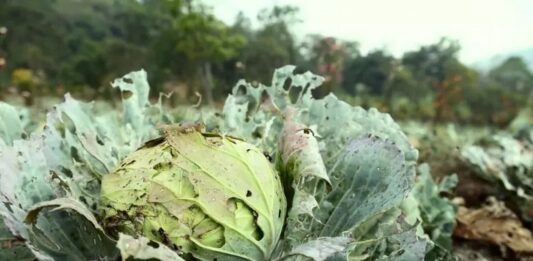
508, 161
11, 126
67, 159
370, 165
389, 236
437, 213
140, 248
323, 248
82, 237
13, 248
255, 112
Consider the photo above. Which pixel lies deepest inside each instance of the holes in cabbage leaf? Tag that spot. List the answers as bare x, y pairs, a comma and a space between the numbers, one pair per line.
287, 84
126, 94
248, 193
258, 132
161, 166
153, 244
66, 171
246, 217
294, 93
241, 90
74, 154
127, 80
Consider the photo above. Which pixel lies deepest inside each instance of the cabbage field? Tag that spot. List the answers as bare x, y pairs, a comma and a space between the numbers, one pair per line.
274, 174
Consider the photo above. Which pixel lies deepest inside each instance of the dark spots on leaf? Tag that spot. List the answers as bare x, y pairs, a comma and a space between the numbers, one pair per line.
127, 163
161, 166
153, 143
164, 236
66, 171
279, 213
257, 133
127, 184
327, 118
82, 199
309, 131
174, 153
74, 154
248, 193
248, 150
99, 141
269, 158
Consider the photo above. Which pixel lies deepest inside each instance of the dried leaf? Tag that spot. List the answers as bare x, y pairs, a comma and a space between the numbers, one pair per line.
494, 223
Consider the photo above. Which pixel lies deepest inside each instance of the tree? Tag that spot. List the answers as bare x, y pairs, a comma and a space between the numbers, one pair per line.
271, 46
78, 43
196, 40
437, 67
327, 57
514, 74
374, 71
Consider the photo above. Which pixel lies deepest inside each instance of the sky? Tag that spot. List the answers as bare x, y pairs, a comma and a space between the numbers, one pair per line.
484, 28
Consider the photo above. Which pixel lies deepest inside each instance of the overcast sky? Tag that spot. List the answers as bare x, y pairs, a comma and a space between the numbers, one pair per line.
484, 28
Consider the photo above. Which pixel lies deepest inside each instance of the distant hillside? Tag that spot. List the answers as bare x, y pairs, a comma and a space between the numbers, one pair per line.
488, 64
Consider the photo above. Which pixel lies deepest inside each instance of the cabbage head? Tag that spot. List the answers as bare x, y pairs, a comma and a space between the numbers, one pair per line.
206, 196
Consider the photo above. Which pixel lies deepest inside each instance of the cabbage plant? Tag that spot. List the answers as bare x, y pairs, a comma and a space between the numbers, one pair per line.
274, 175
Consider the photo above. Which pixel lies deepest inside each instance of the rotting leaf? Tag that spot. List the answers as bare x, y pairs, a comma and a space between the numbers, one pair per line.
494, 223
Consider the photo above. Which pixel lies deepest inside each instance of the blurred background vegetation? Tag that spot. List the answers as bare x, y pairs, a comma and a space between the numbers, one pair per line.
48, 48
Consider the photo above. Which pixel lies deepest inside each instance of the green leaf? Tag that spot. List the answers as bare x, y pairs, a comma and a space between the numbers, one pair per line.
81, 237
370, 177
11, 127
508, 161
366, 175
67, 159
388, 236
12, 248
437, 213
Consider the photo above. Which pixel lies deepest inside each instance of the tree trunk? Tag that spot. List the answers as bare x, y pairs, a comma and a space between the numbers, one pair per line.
207, 79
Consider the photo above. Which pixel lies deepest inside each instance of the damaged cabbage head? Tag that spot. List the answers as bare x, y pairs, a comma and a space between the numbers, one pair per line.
204, 195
